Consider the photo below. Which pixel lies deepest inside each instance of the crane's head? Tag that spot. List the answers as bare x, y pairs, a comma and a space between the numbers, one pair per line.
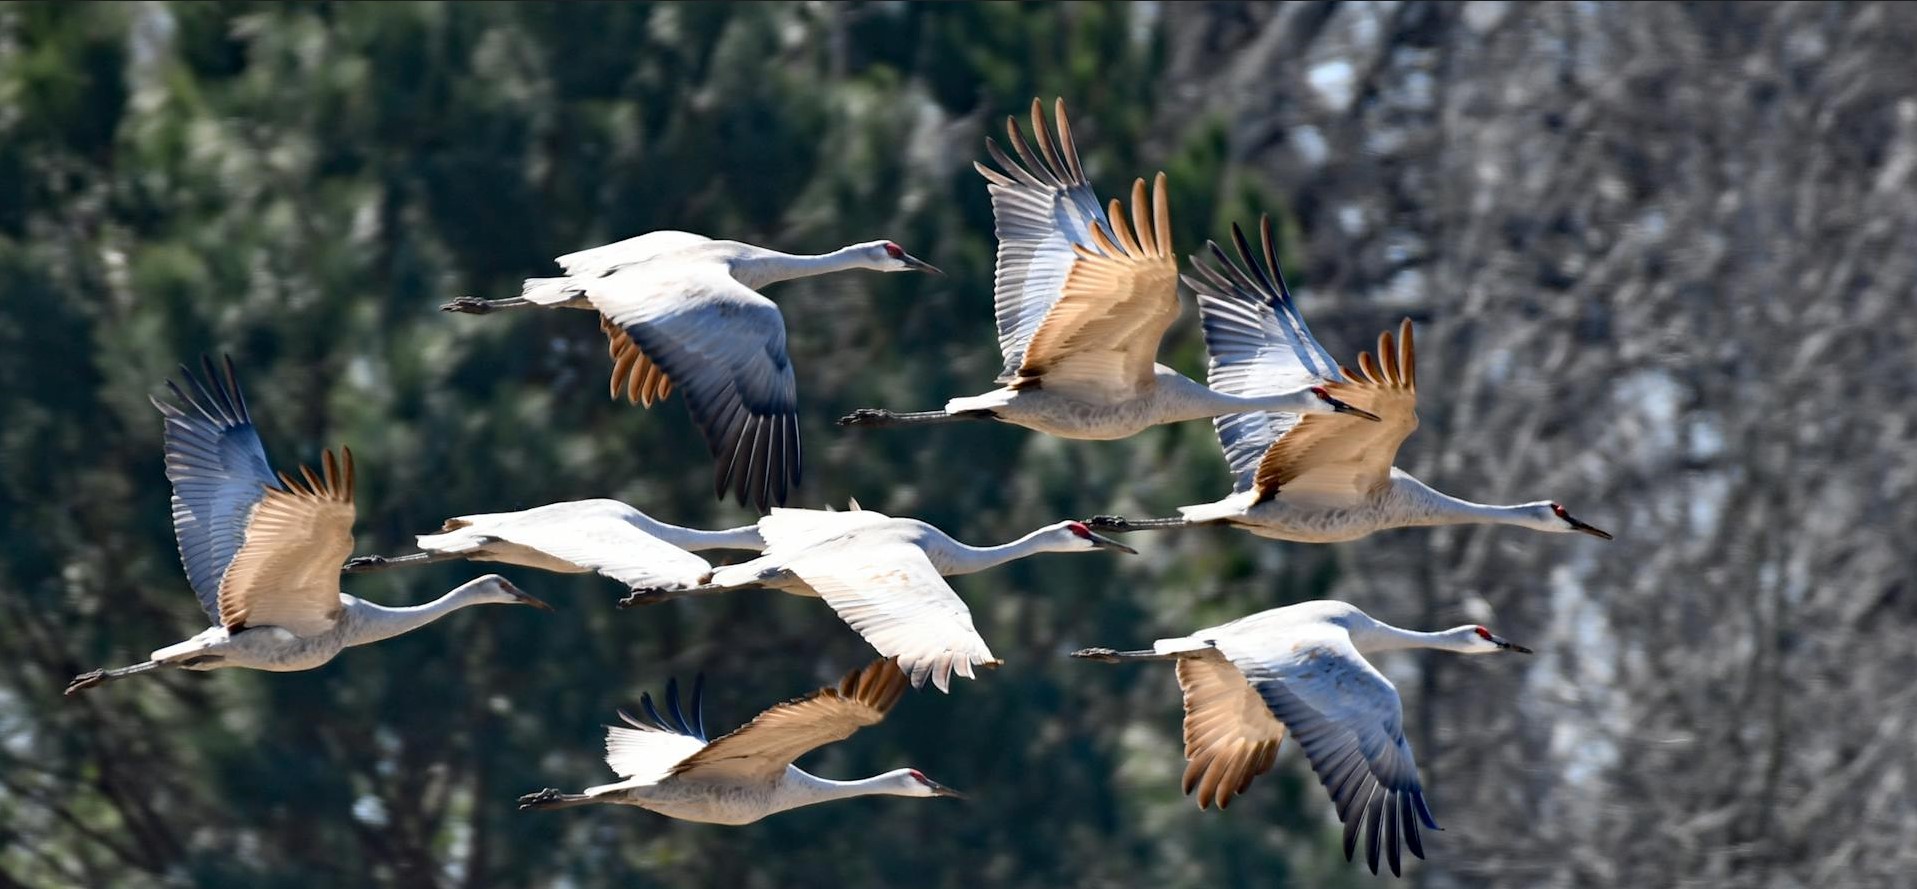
1340, 407
1479, 640
495, 590
885, 256
1076, 537
1551, 516
912, 782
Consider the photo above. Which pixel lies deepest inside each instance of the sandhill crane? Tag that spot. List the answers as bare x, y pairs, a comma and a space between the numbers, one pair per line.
262, 552
575, 537
682, 311
886, 579
1316, 478
670, 768
1082, 301
1301, 668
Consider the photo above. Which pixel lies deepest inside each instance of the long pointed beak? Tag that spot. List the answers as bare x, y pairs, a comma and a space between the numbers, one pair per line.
523, 597
1103, 542
1590, 529
1513, 646
942, 790
919, 265
1361, 413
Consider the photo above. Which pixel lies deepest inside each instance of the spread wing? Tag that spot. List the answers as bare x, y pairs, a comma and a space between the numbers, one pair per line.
1041, 211
890, 593
1259, 345
1100, 338
633, 374
219, 474
722, 345
286, 573
649, 749
1338, 459
1348, 719
763, 748
592, 537
1230, 736
635, 249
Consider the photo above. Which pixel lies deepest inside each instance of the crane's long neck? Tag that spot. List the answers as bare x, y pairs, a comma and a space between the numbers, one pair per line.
372, 623
770, 266
959, 558
1372, 636
803, 789
695, 539
1189, 400
1420, 504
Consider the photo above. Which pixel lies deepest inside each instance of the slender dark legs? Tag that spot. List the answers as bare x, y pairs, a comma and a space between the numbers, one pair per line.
364, 564
1123, 525
878, 416
473, 305
88, 680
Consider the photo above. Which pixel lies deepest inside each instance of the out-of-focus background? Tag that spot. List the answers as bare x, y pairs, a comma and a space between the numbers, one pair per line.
1661, 259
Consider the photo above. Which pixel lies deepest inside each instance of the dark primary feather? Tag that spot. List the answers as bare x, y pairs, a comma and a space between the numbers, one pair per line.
679, 723
1376, 790
748, 414
219, 472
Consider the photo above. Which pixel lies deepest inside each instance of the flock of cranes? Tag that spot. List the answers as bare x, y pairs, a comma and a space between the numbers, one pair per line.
1083, 294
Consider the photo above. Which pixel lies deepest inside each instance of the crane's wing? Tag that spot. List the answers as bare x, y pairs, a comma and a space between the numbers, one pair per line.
1259, 345
788, 531
286, 573
588, 535
722, 345
763, 748
1041, 210
1100, 338
634, 376
1348, 719
1337, 459
648, 749
1230, 736
219, 473
650, 245
889, 592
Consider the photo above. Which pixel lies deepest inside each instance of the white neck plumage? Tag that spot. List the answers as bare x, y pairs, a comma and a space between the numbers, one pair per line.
960, 558
770, 266
372, 622
695, 540
1372, 636
1425, 505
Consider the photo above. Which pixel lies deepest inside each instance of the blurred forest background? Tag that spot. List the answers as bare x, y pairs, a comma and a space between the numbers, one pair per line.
1661, 259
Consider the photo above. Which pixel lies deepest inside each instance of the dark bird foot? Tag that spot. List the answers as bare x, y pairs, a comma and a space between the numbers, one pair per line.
363, 563
1110, 523
535, 800
868, 416
1107, 655
468, 305
85, 681
645, 596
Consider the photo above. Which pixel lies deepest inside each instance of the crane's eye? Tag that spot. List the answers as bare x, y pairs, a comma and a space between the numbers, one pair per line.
894, 250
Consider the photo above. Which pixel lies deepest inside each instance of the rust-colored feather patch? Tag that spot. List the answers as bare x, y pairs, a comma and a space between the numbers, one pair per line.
634, 376
1351, 455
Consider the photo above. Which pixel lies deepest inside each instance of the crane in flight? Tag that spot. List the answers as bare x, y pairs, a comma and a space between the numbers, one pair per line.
262, 550
1082, 300
1301, 669
666, 764
1316, 478
885, 577
683, 311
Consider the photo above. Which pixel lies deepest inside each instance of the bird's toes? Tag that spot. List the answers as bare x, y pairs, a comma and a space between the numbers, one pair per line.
1109, 522
865, 416
469, 305
1096, 654
643, 595
364, 561
85, 681
536, 797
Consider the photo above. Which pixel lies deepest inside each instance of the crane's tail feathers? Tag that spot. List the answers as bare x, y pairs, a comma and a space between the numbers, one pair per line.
553, 799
